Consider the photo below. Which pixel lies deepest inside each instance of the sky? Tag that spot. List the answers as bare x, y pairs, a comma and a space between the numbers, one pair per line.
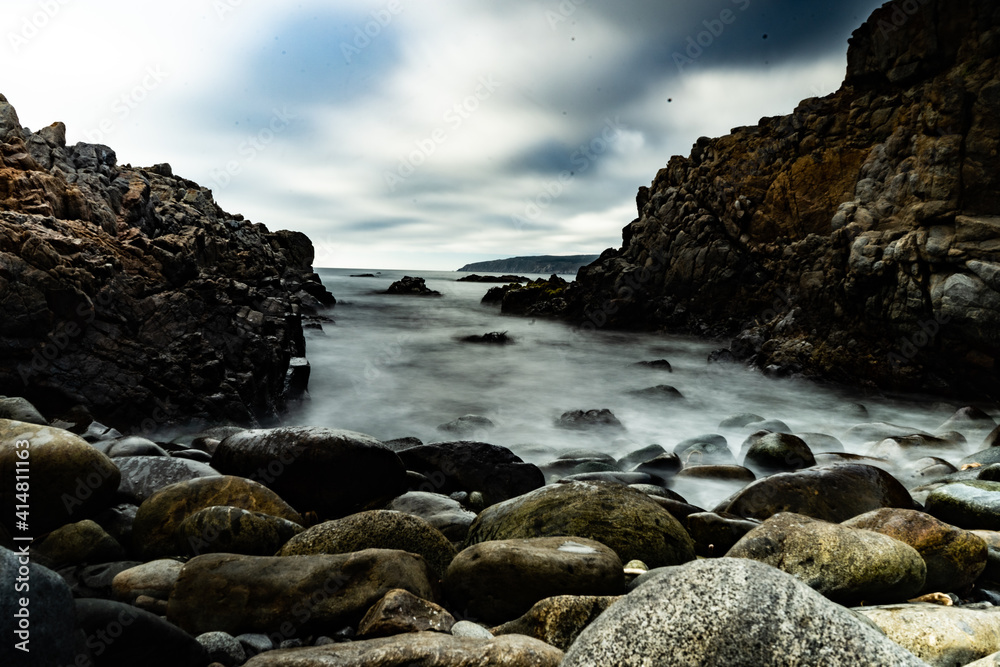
420, 135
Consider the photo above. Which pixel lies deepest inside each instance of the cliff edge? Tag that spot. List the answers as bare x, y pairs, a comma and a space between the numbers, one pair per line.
131, 293
857, 239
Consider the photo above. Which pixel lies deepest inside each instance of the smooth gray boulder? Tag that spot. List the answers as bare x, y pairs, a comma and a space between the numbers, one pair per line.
728, 612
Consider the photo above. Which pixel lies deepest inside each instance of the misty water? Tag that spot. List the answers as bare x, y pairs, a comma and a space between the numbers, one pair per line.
393, 366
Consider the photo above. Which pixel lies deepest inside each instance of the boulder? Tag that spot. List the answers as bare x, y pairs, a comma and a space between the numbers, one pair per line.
95, 581
154, 533
468, 425
223, 648
48, 626
20, 409
119, 635
223, 529
847, 565
954, 557
443, 512
941, 636
557, 620
468, 466
142, 476
776, 452
500, 580
75, 543
155, 579
971, 504
730, 611
327, 471
433, 649
377, 529
294, 596
70, 480
130, 446
400, 612
833, 493
629, 522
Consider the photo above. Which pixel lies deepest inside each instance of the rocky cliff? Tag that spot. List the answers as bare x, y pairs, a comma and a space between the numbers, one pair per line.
130, 292
856, 239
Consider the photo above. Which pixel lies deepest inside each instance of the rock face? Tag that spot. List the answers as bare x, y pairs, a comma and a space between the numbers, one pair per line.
130, 291
856, 238
730, 612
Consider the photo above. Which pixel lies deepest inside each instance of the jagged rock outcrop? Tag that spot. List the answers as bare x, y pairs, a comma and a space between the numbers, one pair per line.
131, 292
856, 239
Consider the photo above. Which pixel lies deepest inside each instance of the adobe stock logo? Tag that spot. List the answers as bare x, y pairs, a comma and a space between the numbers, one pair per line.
699, 43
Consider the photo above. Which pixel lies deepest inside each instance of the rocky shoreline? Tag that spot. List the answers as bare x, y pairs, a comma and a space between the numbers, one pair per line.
130, 294
312, 546
853, 240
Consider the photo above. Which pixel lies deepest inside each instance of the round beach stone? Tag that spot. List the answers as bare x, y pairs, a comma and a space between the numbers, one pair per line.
441, 511
120, 634
132, 445
376, 529
222, 648
154, 533
954, 557
50, 621
433, 649
847, 565
142, 476
296, 596
634, 458
468, 425
730, 611
876, 431
470, 629
776, 452
223, 529
500, 580
70, 480
20, 409
631, 523
495, 472
558, 620
738, 421
971, 504
76, 543
662, 467
328, 471
938, 634
833, 493
155, 579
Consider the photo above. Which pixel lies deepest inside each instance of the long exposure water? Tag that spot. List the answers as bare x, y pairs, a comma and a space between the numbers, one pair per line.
393, 366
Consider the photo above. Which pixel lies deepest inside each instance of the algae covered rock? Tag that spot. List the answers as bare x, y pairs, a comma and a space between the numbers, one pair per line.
630, 522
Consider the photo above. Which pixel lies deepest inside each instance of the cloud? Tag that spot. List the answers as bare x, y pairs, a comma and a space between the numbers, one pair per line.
432, 134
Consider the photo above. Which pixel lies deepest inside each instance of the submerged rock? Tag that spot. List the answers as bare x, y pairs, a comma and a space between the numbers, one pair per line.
411, 286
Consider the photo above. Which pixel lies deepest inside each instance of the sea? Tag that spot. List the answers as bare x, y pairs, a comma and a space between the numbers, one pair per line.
395, 366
